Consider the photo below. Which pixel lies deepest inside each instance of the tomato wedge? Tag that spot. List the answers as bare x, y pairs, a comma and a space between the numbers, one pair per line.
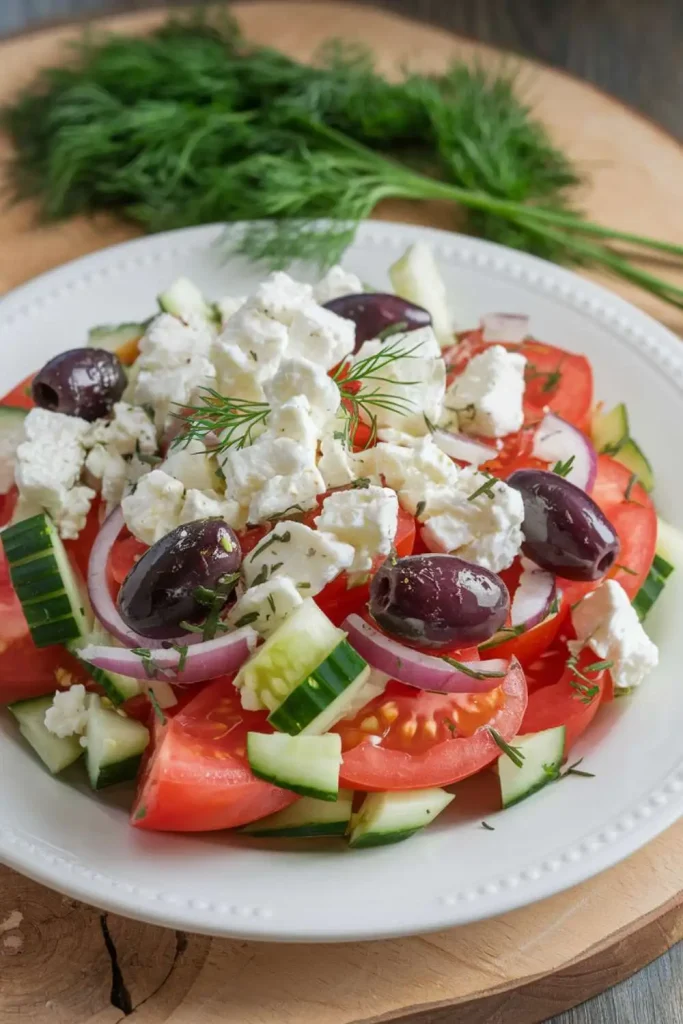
411, 739
570, 701
20, 396
197, 777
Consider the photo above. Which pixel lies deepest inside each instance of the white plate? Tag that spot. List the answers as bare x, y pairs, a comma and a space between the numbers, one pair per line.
455, 871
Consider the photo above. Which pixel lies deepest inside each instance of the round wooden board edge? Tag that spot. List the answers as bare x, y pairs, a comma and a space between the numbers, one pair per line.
612, 958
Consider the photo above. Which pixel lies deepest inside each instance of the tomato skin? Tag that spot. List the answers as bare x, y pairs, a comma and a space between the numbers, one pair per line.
374, 767
20, 396
197, 777
124, 554
562, 704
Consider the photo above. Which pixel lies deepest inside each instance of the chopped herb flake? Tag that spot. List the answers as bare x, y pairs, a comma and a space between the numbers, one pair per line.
489, 828
246, 619
564, 468
514, 753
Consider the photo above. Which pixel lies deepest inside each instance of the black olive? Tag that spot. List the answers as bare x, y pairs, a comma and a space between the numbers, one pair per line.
83, 382
374, 312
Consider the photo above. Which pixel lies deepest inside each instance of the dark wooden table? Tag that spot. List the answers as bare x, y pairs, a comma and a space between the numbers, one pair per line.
631, 48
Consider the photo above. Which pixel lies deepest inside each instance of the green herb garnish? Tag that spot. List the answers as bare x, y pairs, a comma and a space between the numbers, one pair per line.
564, 468
246, 619
489, 828
486, 488
472, 673
633, 480
182, 650
145, 656
419, 508
272, 538
514, 753
154, 701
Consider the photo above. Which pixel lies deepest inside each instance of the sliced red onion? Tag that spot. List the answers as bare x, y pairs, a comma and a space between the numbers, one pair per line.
423, 671
463, 448
511, 327
533, 597
557, 441
203, 661
101, 599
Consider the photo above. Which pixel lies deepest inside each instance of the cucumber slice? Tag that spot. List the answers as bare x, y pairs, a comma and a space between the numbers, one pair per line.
308, 818
184, 299
122, 339
308, 765
55, 752
416, 277
610, 430
631, 456
118, 688
55, 608
386, 818
668, 558
114, 745
543, 753
322, 698
287, 657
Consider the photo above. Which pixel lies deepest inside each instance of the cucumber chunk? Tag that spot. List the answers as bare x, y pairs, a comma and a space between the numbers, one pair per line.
308, 818
543, 753
55, 752
118, 688
122, 339
668, 558
322, 698
416, 277
287, 657
609, 430
631, 456
386, 818
55, 608
114, 745
184, 300
308, 765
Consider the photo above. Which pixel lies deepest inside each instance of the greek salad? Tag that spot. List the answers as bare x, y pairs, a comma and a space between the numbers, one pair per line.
299, 562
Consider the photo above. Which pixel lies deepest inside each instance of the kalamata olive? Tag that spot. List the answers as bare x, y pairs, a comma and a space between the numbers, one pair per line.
438, 601
160, 591
564, 530
373, 312
82, 382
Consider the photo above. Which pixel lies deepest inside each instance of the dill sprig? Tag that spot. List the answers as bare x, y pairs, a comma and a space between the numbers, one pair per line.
232, 420
191, 124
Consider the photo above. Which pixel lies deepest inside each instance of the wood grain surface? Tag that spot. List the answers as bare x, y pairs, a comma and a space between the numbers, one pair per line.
63, 962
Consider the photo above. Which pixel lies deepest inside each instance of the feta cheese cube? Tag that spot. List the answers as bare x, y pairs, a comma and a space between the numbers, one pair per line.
302, 377
486, 529
309, 558
68, 713
417, 380
168, 341
155, 507
266, 606
71, 514
320, 335
412, 468
296, 492
211, 505
487, 397
239, 373
192, 464
166, 389
247, 469
293, 420
606, 621
281, 297
335, 283
110, 469
259, 337
366, 518
335, 463
129, 430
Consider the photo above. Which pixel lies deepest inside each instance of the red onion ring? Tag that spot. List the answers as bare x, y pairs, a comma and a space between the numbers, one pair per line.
423, 671
205, 660
101, 599
533, 597
508, 327
463, 448
557, 441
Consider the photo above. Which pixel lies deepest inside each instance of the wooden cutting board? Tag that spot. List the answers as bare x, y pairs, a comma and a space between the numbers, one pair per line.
66, 963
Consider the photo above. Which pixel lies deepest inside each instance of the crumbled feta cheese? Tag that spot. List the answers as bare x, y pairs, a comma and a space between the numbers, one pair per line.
164, 390
49, 466
309, 558
486, 530
110, 469
335, 463
228, 306
411, 468
487, 397
68, 713
320, 335
251, 345
366, 517
302, 377
335, 283
12, 437
294, 420
239, 374
129, 430
606, 621
247, 469
211, 505
399, 437
168, 341
281, 297
154, 508
417, 380
267, 605
173, 364
296, 492
192, 464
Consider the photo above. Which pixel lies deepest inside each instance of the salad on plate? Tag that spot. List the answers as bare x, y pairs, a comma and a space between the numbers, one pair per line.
299, 562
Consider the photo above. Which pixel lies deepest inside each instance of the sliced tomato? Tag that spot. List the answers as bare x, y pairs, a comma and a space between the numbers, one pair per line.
124, 554
197, 777
570, 701
20, 396
7, 505
412, 739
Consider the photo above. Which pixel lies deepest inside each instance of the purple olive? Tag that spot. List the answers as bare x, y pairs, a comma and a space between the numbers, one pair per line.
83, 382
161, 590
564, 530
374, 312
438, 601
